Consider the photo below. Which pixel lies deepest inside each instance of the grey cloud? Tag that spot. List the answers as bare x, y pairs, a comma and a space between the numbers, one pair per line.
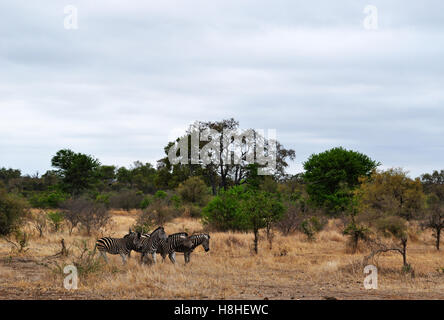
136, 71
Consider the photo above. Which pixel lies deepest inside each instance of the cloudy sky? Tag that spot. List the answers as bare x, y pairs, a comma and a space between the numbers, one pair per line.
135, 73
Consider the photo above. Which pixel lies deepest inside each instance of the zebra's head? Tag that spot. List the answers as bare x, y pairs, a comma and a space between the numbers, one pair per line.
133, 239
206, 242
154, 238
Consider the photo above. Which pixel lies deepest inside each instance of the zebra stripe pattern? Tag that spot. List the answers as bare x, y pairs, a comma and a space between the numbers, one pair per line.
149, 245
174, 242
196, 240
122, 246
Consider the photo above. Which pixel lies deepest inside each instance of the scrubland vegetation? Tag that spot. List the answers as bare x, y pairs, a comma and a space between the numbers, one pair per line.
280, 236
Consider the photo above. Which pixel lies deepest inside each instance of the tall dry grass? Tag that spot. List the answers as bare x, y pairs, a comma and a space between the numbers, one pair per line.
293, 268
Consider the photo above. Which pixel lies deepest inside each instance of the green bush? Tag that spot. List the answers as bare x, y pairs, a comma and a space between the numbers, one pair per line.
126, 199
145, 202
12, 211
48, 199
222, 212
103, 198
193, 190
56, 219
161, 194
311, 226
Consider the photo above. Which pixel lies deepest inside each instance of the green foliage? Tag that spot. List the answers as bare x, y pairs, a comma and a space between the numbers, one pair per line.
390, 193
146, 201
332, 175
194, 211
79, 172
163, 207
104, 198
7, 175
311, 226
222, 212
126, 199
392, 226
48, 199
160, 194
176, 201
56, 218
239, 208
193, 190
12, 211
356, 232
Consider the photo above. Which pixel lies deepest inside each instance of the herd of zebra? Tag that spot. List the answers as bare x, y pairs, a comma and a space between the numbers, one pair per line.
151, 244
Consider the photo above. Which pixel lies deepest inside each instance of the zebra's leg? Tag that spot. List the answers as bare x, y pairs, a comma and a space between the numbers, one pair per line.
186, 256
103, 254
154, 257
123, 258
172, 256
142, 256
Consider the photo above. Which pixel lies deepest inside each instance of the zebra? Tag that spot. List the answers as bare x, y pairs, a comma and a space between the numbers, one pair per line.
197, 240
122, 246
174, 241
149, 245
143, 237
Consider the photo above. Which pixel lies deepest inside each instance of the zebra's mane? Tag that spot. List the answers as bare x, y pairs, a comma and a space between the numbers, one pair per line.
196, 235
179, 233
158, 229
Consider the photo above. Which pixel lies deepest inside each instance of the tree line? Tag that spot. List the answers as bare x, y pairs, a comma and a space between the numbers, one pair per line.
374, 205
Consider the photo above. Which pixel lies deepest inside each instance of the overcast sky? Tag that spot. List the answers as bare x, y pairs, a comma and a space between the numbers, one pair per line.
135, 73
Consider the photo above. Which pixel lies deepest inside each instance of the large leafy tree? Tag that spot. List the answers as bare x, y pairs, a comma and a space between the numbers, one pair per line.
79, 172
331, 177
222, 174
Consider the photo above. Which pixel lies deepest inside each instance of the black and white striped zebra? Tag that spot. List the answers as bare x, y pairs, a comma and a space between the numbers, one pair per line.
196, 240
175, 241
149, 245
122, 246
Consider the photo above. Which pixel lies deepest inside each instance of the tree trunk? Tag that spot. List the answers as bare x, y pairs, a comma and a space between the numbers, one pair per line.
438, 236
355, 243
404, 251
269, 236
256, 239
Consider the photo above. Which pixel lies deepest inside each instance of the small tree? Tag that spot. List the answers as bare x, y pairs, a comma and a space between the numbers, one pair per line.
221, 213
193, 190
292, 218
354, 229
391, 227
89, 214
244, 209
40, 222
434, 218
94, 216
73, 210
12, 211
311, 226
56, 219
257, 210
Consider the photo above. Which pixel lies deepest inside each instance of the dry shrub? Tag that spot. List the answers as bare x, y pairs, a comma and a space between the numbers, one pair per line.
233, 241
355, 268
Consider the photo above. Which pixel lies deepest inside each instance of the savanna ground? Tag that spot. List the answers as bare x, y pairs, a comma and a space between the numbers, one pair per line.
293, 269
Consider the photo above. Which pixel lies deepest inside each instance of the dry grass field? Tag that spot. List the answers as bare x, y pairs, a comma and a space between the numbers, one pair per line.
293, 269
